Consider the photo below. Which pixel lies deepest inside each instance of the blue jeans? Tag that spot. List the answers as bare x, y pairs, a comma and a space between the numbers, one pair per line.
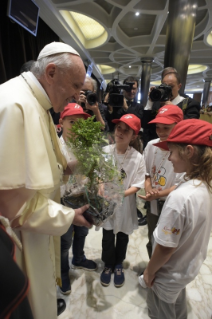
78, 246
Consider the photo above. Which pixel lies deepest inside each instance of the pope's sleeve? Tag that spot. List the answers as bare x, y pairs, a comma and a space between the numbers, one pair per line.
43, 215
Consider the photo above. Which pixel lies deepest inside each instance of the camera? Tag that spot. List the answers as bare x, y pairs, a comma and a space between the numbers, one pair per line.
161, 93
114, 89
91, 98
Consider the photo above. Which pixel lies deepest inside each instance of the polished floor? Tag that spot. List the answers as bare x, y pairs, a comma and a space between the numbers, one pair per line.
90, 300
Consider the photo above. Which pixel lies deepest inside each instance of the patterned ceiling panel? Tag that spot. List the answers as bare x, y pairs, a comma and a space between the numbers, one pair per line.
130, 37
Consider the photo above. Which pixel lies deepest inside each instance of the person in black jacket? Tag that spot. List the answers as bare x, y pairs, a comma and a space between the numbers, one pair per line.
129, 105
190, 107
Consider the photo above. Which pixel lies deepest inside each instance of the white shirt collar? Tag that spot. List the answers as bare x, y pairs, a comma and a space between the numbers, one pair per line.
37, 83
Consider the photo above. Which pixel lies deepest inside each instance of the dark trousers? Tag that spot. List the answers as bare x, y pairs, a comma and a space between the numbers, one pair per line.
152, 221
114, 254
78, 246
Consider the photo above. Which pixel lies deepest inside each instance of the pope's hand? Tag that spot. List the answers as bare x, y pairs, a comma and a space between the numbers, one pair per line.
79, 219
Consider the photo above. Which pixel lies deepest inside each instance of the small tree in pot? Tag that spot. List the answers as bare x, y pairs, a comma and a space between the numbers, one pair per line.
96, 179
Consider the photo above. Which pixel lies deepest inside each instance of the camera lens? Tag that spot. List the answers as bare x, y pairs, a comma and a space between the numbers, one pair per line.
155, 95
92, 98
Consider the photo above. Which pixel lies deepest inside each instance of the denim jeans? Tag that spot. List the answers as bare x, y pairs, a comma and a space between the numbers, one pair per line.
78, 246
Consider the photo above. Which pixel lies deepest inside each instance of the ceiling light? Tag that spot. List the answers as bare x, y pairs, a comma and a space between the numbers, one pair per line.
209, 38
137, 13
129, 66
156, 82
90, 32
196, 68
106, 69
135, 29
90, 28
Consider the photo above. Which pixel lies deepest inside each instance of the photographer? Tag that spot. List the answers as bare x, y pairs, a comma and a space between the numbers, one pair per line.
89, 101
128, 104
169, 88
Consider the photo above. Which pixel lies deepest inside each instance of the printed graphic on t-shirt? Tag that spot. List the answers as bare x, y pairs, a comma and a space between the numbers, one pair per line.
159, 176
168, 230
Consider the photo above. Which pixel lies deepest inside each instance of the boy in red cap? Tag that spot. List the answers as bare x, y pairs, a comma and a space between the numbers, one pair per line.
117, 229
183, 231
72, 112
160, 178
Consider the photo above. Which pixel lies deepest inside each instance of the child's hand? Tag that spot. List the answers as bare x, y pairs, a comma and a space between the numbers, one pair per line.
149, 278
149, 197
153, 191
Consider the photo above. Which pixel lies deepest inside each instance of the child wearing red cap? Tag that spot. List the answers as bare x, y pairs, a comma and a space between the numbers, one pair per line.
183, 231
118, 228
160, 178
72, 112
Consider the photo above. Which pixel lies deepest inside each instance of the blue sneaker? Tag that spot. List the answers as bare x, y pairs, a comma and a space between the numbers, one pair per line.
105, 277
118, 276
85, 264
66, 285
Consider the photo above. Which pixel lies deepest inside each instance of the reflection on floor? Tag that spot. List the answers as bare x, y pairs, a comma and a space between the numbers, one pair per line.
90, 300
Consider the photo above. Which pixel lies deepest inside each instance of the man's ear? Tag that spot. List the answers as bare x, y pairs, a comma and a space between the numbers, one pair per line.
50, 72
179, 86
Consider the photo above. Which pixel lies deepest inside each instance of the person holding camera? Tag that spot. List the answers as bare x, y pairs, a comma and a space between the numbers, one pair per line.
167, 93
89, 101
118, 104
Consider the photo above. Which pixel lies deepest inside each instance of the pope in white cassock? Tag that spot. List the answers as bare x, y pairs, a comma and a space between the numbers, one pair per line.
32, 167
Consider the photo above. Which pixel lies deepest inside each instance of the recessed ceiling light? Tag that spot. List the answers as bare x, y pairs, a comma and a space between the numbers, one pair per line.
196, 68
137, 13
135, 29
129, 66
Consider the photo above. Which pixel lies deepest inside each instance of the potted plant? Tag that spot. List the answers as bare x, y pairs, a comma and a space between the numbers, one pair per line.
96, 180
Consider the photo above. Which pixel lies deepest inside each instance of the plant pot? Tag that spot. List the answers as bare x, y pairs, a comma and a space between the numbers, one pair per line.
100, 208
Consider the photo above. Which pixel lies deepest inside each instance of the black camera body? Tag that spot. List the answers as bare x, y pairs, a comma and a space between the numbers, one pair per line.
161, 93
91, 98
114, 88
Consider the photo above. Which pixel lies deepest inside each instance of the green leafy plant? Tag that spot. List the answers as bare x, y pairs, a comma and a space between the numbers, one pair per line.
86, 140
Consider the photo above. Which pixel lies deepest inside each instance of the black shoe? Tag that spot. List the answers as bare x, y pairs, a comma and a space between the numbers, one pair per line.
139, 213
61, 306
142, 221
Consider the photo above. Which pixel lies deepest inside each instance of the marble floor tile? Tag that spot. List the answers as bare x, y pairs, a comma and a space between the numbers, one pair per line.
90, 300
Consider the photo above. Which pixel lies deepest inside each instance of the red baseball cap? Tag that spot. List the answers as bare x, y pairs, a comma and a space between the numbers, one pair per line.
73, 109
191, 131
168, 114
131, 120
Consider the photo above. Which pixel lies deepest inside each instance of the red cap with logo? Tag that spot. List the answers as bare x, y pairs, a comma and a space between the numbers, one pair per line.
168, 114
73, 109
131, 120
191, 131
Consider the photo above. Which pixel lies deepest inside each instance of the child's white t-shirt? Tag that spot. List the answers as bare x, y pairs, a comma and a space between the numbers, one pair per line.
160, 169
185, 223
125, 218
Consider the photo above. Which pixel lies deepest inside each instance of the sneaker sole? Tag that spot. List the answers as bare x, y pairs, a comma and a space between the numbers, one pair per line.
119, 286
104, 284
81, 267
65, 292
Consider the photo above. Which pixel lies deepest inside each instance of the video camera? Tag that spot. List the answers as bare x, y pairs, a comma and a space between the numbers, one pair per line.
161, 93
114, 88
91, 98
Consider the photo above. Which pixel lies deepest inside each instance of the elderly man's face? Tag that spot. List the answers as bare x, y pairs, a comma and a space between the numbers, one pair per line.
87, 86
171, 80
66, 84
131, 95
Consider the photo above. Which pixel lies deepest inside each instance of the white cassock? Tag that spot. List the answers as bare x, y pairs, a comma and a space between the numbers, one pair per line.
30, 157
